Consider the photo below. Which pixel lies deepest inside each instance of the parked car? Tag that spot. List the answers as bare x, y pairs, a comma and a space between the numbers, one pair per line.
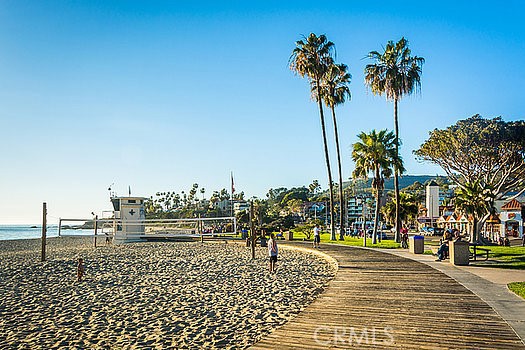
432, 231
381, 235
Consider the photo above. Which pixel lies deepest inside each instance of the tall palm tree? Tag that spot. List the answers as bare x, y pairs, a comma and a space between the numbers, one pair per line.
394, 74
311, 58
335, 91
375, 153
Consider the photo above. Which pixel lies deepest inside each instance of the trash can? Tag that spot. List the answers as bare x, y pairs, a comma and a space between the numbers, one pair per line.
290, 235
416, 244
459, 252
263, 242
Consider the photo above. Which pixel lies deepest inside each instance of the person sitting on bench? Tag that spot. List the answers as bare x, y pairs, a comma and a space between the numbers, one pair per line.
443, 248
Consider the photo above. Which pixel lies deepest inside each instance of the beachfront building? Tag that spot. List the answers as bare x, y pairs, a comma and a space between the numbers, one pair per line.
453, 221
506, 222
225, 206
491, 229
239, 206
315, 210
359, 207
447, 217
511, 219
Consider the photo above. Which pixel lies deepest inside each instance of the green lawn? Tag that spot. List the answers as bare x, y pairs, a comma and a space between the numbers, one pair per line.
325, 238
385, 243
507, 257
518, 288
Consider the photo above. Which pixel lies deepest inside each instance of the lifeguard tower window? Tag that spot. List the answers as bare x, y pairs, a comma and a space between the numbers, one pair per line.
116, 204
132, 201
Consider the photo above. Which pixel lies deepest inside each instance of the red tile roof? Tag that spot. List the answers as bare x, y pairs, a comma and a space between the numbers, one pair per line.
512, 205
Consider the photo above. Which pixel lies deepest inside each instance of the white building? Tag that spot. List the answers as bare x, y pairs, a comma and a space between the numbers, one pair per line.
432, 201
239, 206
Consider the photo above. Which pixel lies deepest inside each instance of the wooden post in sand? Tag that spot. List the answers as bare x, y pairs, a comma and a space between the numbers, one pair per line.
96, 229
252, 230
201, 229
44, 231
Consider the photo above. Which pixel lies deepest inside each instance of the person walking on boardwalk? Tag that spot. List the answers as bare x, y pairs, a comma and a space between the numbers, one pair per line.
317, 236
404, 238
272, 252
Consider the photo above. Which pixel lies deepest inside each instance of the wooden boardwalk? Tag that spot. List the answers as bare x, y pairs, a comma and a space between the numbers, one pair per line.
382, 301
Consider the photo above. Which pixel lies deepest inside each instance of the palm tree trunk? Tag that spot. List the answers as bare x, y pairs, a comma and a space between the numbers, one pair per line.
396, 175
327, 158
378, 198
341, 201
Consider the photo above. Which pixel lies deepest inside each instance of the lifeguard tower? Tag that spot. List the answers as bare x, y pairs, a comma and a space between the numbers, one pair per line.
130, 219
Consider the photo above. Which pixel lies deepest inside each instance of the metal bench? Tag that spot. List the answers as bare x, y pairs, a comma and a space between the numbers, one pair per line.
483, 254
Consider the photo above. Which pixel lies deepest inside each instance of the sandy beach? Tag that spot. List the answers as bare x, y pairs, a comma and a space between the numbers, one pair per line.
154, 295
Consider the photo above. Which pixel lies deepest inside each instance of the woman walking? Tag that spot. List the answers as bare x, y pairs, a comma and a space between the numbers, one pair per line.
272, 252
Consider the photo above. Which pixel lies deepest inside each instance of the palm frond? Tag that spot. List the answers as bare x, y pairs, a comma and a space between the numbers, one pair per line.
395, 72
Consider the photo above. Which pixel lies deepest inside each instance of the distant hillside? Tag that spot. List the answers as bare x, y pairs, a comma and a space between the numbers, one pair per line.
404, 181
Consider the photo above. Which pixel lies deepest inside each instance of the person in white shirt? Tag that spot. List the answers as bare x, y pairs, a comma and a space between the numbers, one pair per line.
317, 236
272, 252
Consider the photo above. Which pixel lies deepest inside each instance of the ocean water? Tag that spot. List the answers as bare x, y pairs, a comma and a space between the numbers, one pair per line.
35, 231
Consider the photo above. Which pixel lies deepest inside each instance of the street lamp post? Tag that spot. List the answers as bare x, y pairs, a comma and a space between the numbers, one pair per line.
431, 210
364, 209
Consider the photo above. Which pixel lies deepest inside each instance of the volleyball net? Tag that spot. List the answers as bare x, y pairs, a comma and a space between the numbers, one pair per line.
148, 228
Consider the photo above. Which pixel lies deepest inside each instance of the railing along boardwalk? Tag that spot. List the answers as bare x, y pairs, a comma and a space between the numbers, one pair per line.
382, 301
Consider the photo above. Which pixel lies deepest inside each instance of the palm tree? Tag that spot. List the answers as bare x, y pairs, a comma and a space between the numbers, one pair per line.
335, 91
408, 208
474, 200
375, 153
394, 74
311, 58
314, 187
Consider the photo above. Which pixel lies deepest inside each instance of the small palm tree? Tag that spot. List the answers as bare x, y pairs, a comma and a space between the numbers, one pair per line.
375, 153
474, 200
408, 208
311, 58
334, 92
394, 74
314, 187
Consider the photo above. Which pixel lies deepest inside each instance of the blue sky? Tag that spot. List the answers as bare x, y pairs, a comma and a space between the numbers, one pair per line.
158, 95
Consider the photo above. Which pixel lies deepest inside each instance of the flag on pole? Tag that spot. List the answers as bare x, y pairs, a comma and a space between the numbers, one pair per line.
129, 190
233, 184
